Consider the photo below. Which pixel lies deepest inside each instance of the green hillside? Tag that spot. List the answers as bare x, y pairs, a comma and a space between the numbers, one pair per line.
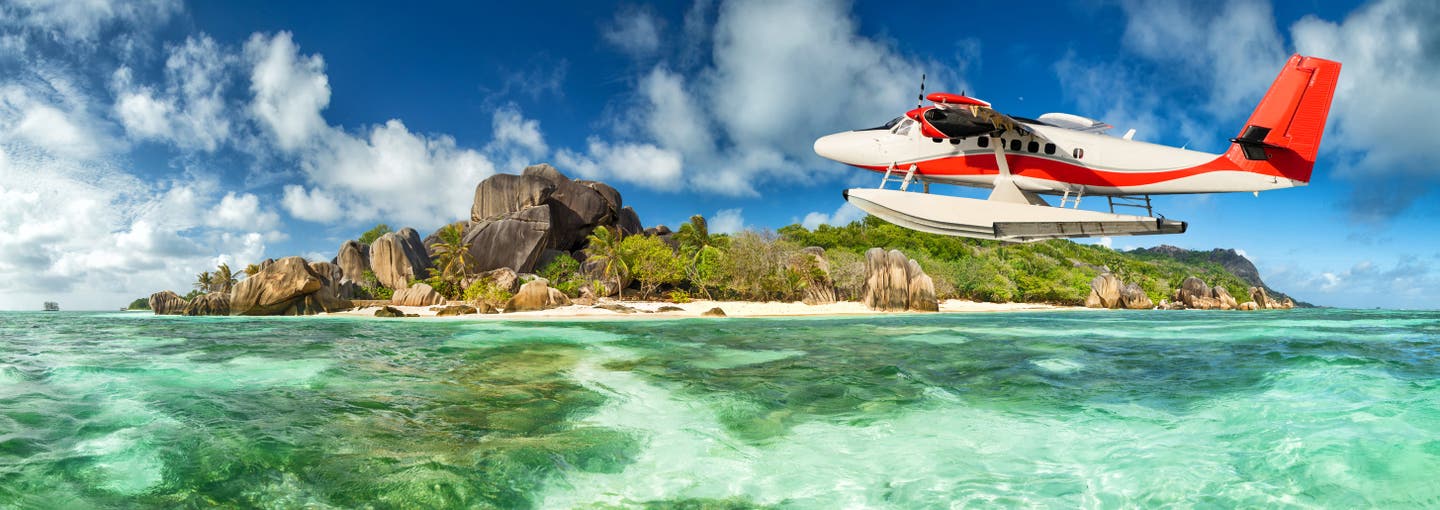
1057, 271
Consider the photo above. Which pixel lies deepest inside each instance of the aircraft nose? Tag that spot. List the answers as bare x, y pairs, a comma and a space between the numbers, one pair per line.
848, 147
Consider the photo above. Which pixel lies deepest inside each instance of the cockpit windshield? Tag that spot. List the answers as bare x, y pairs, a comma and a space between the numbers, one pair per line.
903, 128
887, 125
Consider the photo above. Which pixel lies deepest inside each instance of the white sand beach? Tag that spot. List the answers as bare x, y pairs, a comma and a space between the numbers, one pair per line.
650, 310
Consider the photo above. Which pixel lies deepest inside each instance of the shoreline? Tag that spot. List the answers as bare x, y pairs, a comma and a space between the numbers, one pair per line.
648, 310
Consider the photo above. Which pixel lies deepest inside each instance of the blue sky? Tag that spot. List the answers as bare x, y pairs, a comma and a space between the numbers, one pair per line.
142, 142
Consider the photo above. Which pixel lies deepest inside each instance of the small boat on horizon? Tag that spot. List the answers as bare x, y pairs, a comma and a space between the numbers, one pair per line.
51, 306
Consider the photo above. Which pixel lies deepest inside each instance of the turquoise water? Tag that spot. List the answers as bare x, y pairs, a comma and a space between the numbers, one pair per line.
1301, 408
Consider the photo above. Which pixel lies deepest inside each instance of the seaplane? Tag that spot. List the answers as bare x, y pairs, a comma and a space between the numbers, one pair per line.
962, 140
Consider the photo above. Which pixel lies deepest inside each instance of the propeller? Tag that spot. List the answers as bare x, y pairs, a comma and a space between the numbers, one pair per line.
920, 99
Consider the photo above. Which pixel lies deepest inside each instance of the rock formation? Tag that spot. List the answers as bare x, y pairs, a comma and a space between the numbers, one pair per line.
514, 240
288, 286
398, 257
1248, 305
214, 303
536, 295
354, 260
1195, 294
167, 303
1223, 298
1262, 298
504, 278
889, 279
713, 312
454, 310
389, 311
1133, 297
419, 294
1104, 292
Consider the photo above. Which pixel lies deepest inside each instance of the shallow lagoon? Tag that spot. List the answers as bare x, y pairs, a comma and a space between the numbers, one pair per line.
1297, 408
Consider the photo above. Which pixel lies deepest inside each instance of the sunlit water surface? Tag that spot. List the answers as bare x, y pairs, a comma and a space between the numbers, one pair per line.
1304, 408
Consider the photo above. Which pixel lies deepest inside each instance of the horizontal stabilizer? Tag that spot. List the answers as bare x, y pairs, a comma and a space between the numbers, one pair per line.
1005, 221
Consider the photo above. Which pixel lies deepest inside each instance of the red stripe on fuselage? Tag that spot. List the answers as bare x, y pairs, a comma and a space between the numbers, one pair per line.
1059, 171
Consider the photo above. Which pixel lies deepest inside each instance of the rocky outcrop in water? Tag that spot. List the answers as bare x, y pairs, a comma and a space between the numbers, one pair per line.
1223, 298
288, 286
167, 303
214, 303
892, 280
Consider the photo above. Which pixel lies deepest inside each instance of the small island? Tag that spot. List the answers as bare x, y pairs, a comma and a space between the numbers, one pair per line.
51, 306
543, 244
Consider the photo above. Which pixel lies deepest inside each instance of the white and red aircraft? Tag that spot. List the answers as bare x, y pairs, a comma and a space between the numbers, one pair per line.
961, 140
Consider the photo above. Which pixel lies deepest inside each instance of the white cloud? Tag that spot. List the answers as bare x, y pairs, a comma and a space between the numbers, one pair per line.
190, 111
845, 215
1406, 282
635, 31
290, 89
313, 205
1106, 242
82, 20
517, 141
641, 164
726, 221
751, 117
242, 212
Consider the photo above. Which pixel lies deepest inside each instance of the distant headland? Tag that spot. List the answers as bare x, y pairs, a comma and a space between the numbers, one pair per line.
539, 241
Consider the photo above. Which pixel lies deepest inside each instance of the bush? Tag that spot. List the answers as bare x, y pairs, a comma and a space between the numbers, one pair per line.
563, 273
487, 292
708, 270
678, 296
371, 235
651, 262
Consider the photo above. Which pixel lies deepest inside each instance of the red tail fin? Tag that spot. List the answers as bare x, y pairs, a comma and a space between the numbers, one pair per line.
1283, 135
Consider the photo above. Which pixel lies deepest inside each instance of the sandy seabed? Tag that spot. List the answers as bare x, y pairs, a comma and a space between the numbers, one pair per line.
648, 310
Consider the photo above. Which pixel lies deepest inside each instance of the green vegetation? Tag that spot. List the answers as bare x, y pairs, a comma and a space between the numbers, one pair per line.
652, 262
139, 304
487, 292
371, 235
604, 250
370, 286
452, 262
563, 273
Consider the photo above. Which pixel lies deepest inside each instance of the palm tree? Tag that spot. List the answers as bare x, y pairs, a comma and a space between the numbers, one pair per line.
452, 258
694, 236
251, 269
224, 279
203, 281
604, 249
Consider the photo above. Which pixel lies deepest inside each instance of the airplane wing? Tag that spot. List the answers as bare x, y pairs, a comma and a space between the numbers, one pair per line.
959, 116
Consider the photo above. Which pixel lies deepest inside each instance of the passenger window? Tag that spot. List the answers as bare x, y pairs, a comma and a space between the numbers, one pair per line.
1049, 148
1034, 147
1079, 153
954, 141
1015, 145
936, 140
983, 142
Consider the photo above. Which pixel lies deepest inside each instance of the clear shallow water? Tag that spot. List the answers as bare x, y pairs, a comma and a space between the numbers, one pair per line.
1303, 408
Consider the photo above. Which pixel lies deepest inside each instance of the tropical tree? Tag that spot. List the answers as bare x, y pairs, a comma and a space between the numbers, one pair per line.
371, 235
652, 262
223, 280
204, 281
251, 269
694, 236
604, 249
452, 259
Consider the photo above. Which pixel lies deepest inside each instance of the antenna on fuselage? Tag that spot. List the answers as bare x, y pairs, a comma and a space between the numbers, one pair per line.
920, 99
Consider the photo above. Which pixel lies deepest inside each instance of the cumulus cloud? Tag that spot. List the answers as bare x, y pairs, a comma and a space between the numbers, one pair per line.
750, 117
290, 89
845, 215
242, 211
1406, 281
190, 110
641, 164
726, 221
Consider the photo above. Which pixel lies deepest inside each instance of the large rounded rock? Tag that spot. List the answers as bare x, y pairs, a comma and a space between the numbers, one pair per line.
1195, 294
419, 294
889, 281
897, 292
214, 303
514, 240
503, 194
1104, 292
167, 303
353, 259
398, 257
286, 287
629, 222
1133, 297
1262, 298
575, 209
922, 294
1223, 298
504, 278
536, 295
1248, 306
